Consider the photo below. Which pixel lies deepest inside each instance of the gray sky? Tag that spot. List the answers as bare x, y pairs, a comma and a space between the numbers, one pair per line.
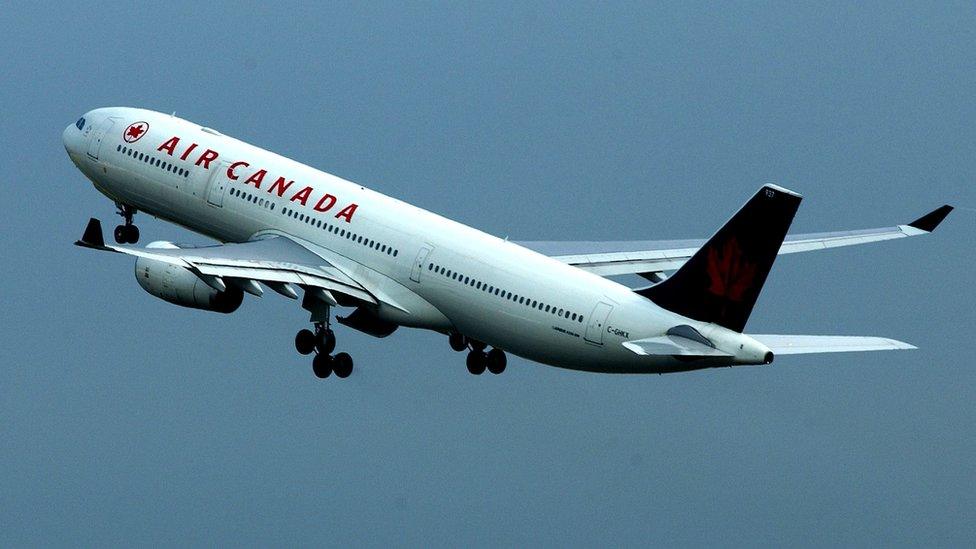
126, 420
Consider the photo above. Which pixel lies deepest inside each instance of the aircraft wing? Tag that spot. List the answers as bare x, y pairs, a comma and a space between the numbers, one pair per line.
277, 262
654, 256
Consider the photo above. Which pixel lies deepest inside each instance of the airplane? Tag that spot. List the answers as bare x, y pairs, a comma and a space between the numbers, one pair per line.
329, 243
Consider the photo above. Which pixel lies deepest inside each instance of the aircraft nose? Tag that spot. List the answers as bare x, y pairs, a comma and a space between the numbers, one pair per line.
65, 137
71, 138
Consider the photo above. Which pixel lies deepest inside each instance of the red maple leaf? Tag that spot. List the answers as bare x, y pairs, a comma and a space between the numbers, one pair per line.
730, 275
135, 131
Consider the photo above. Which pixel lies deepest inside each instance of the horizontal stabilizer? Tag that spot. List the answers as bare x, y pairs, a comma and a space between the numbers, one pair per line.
807, 344
671, 345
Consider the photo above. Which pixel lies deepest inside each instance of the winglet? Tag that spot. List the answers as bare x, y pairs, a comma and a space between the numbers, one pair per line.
931, 220
93, 235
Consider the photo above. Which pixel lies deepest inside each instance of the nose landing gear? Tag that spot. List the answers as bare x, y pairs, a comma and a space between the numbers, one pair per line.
127, 233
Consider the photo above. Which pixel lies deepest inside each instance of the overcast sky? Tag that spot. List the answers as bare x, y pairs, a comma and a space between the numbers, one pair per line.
126, 420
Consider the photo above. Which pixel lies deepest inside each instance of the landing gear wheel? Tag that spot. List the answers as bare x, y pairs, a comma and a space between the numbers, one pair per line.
126, 233
131, 234
342, 365
458, 342
325, 341
305, 342
322, 366
496, 361
477, 362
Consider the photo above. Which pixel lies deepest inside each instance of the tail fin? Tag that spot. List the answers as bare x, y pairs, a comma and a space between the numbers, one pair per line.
722, 281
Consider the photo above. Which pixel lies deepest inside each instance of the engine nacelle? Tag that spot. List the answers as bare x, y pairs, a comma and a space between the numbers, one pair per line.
181, 287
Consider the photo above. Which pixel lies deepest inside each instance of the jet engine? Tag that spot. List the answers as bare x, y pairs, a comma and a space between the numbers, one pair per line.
181, 287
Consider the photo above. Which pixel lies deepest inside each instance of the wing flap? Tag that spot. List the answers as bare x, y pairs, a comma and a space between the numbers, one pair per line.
808, 344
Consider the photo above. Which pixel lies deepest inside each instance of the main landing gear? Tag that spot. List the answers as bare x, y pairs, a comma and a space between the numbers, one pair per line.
322, 342
478, 360
127, 233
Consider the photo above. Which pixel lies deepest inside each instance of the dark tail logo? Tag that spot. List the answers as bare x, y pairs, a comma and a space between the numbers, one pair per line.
730, 275
722, 280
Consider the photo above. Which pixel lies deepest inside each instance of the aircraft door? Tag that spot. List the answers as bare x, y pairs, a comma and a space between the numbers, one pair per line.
96, 137
217, 185
418, 264
598, 323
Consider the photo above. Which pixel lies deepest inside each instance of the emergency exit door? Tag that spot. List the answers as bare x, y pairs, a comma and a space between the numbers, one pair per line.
598, 323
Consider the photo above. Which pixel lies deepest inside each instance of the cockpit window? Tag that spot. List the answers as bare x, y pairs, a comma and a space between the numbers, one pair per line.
80, 123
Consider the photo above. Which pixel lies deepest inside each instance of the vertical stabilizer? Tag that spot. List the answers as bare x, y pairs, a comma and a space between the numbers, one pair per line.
722, 281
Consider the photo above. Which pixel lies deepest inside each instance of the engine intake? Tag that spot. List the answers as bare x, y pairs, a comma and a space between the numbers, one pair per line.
179, 286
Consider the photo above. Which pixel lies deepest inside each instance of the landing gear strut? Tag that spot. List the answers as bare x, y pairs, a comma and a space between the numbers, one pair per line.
127, 233
322, 342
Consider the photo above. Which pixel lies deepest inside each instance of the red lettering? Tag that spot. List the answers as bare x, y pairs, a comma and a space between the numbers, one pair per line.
170, 145
205, 158
230, 170
322, 206
186, 153
280, 186
256, 178
302, 195
347, 212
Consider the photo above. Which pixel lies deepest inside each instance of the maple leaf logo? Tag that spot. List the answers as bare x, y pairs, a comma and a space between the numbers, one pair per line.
135, 131
730, 275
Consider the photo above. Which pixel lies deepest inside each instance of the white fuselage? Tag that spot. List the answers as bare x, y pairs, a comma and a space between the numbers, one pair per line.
446, 275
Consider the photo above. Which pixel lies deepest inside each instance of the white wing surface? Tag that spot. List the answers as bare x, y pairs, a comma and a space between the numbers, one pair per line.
655, 256
276, 261
807, 344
